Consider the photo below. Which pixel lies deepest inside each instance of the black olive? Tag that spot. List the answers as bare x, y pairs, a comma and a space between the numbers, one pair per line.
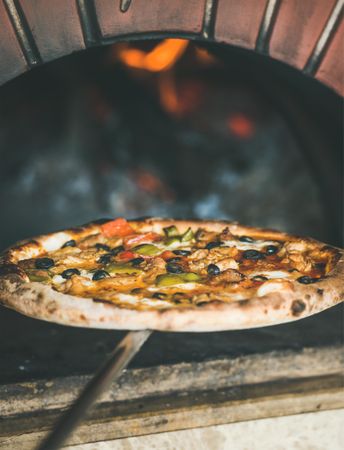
246, 239
182, 252
179, 297
174, 260
99, 274
213, 244
159, 295
252, 254
105, 259
200, 304
136, 291
213, 269
117, 250
271, 249
70, 243
103, 247
68, 273
259, 278
44, 263
307, 280
136, 261
174, 268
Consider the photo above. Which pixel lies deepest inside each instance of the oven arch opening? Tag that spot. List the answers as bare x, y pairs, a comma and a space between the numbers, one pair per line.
272, 89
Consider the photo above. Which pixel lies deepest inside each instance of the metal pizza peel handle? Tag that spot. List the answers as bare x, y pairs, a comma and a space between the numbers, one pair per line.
118, 361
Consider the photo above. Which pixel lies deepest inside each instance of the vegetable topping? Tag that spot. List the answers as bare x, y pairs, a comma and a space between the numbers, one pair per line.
189, 266
117, 227
44, 263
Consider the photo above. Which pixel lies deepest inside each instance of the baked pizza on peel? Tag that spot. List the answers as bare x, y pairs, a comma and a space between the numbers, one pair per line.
166, 274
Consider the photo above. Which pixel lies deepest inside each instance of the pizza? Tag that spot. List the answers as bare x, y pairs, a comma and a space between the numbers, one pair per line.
166, 274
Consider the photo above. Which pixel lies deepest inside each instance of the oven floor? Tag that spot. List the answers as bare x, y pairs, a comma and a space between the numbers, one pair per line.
31, 349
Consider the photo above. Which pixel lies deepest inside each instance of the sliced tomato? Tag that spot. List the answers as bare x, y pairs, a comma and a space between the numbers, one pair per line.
117, 227
136, 239
126, 255
167, 254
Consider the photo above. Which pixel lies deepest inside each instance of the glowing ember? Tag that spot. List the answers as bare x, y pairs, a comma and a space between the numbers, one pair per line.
161, 58
147, 181
150, 183
241, 126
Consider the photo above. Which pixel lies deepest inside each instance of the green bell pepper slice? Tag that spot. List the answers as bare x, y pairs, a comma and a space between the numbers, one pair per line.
171, 231
187, 236
170, 279
35, 275
190, 277
146, 249
122, 269
170, 241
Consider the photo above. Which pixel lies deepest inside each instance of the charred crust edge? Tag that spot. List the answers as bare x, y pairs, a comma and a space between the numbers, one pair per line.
10, 269
297, 307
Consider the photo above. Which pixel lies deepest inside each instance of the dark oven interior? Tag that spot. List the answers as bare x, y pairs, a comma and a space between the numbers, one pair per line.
170, 128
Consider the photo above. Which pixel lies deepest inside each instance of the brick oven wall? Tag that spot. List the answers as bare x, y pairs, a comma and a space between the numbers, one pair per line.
308, 35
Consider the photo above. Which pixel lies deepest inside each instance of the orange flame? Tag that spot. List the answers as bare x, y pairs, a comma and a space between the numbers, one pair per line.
204, 57
161, 58
168, 94
179, 99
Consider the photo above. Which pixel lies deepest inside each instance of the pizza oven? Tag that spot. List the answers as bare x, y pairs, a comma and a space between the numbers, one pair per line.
201, 109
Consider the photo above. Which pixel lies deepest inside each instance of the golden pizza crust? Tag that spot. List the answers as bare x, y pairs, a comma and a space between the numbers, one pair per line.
286, 301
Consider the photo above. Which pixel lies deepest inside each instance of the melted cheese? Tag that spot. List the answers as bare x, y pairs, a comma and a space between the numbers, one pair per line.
55, 241
86, 274
133, 300
175, 245
183, 286
256, 245
234, 296
273, 274
271, 286
57, 279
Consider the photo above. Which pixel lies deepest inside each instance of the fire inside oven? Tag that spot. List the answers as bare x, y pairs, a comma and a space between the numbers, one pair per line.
168, 128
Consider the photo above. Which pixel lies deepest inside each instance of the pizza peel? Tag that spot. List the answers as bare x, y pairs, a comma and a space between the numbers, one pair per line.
112, 369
